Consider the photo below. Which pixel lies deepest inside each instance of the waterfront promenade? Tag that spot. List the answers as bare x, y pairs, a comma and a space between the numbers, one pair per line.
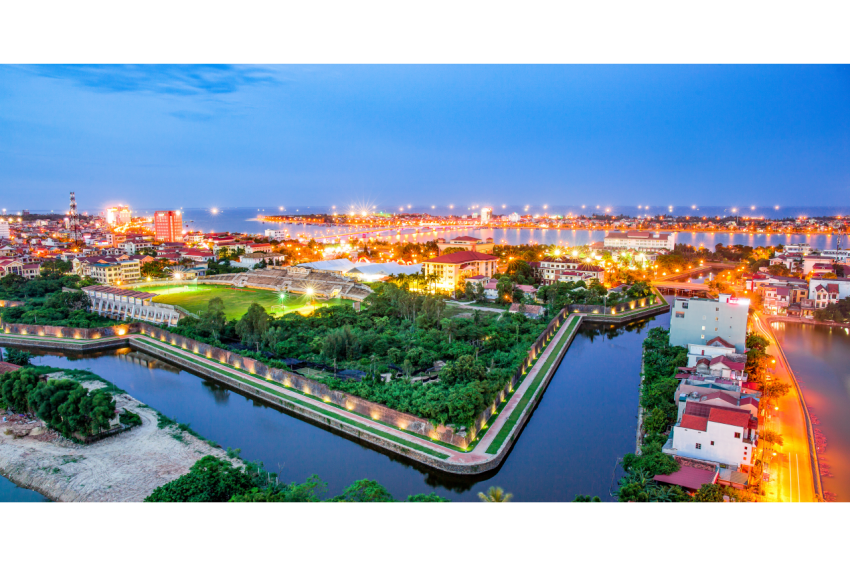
794, 475
487, 454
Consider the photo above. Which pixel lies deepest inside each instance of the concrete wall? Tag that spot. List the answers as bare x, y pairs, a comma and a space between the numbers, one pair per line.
77, 333
726, 450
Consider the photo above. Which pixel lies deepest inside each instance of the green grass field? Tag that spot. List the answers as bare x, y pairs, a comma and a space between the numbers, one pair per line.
195, 298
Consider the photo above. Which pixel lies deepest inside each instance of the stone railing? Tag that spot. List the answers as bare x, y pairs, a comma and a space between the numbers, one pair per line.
76, 333
619, 308
375, 411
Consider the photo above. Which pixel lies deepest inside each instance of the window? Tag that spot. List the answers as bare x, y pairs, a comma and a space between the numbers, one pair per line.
699, 446
703, 327
680, 314
702, 336
738, 435
703, 317
712, 443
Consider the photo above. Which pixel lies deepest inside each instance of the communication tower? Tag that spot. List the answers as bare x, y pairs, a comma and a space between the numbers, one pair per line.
74, 221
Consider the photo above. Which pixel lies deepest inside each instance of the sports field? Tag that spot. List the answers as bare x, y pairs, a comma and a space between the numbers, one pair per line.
194, 298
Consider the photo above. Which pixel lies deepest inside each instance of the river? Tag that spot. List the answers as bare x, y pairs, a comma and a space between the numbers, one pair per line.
820, 358
585, 421
245, 220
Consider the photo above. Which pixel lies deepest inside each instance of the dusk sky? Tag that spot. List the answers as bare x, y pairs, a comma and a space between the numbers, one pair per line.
192, 136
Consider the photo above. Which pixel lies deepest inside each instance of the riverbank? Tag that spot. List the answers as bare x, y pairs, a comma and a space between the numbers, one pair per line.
125, 467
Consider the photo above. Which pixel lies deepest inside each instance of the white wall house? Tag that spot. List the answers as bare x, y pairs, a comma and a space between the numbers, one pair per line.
642, 241
716, 434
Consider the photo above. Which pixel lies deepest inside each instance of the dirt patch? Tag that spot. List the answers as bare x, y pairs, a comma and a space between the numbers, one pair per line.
126, 467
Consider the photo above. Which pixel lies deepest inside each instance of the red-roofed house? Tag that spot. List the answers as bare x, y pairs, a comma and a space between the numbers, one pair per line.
468, 243
692, 475
716, 431
450, 268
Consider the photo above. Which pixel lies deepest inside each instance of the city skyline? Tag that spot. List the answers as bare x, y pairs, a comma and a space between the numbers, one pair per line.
229, 136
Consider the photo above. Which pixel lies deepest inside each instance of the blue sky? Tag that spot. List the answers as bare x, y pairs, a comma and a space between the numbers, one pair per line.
196, 136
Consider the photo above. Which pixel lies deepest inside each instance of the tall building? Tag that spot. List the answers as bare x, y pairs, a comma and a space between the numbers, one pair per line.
696, 321
4, 230
168, 225
640, 241
118, 215
486, 215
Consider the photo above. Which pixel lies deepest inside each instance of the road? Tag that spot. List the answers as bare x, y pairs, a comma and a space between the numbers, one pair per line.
791, 476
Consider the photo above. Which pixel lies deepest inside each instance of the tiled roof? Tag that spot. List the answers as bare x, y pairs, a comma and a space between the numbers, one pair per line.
694, 422
464, 239
734, 417
688, 477
461, 257
719, 340
119, 292
722, 396
6, 367
728, 363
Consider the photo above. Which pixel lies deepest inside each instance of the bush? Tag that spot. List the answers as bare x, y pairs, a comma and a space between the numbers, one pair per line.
129, 418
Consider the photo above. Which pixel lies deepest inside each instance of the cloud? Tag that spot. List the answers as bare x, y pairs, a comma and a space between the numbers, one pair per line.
181, 80
192, 116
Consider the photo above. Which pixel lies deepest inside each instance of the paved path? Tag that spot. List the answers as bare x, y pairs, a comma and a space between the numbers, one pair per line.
477, 456
791, 468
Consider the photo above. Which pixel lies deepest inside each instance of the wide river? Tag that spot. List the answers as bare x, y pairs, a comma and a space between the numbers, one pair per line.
585, 421
820, 358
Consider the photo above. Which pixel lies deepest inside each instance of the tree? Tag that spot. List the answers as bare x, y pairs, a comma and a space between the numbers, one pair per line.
209, 479
213, 319
68, 300
505, 290
341, 343
18, 357
779, 269
55, 267
253, 324
495, 495
429, 498
709, 492
465, 368
16, 386
586, 499
306, 492
771, 437
364, 491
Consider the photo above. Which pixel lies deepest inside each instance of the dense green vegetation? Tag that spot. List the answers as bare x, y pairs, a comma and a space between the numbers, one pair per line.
51, 279
58, 309
65, 405
835, 312
17, 357
212, 479
398, 332
657, 400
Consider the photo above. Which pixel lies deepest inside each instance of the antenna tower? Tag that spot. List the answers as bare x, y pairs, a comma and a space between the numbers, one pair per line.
74, 221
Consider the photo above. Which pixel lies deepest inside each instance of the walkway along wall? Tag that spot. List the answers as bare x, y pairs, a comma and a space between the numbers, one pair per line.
372, 410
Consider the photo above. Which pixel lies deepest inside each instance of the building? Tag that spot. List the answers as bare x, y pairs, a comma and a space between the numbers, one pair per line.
835, 255
4, 230
803, 249
639, 241
277, 234
250, 261
255, 247
109, 270
118, 215
486, 215
551, 270
379, 271
531, 311
127, 304
716, 431
168, 226
450, 268
483, 245
840, 288
696, 321
513, 217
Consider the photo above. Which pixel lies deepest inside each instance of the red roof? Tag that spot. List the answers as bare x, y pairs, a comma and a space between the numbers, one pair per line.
688, 477
694, 422
733, 417
464, 239
722, 396
718, 339
461, 257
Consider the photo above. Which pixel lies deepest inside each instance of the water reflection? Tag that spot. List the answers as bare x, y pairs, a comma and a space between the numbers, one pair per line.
570, 445
820, 358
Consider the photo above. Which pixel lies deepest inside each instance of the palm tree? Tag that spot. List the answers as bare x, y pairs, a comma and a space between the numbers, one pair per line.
495, 495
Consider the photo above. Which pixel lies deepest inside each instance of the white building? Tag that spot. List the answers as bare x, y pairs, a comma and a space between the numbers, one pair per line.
486, 215
277, 234
797, 249
118, 215
835, 255
838, 287
698, 321
514, 217
640, 241
126, 304
714, 433
4, 230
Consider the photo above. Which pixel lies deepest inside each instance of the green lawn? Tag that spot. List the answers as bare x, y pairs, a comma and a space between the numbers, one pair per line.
194, 298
